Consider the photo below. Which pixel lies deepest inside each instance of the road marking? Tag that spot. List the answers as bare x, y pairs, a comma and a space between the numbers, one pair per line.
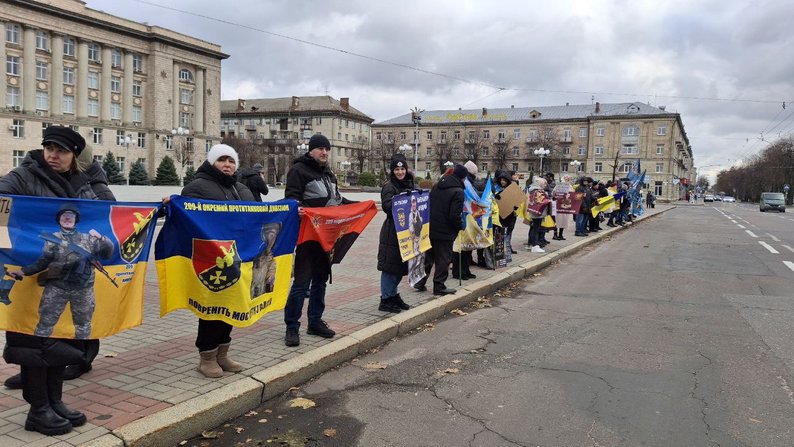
772, 236
750, 232
769, 247
789, 264
787, 247
741, 226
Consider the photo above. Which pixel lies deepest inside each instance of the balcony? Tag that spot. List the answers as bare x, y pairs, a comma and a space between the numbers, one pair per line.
442, 141
250, 127
531, 140
566, 140
470, 141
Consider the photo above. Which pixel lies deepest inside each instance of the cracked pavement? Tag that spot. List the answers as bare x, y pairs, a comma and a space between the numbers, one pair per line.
662, 336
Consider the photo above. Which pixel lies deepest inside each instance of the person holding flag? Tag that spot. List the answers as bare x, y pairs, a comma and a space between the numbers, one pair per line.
311, 182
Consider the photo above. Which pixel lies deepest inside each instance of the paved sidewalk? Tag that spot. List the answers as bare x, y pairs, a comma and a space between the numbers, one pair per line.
144, 388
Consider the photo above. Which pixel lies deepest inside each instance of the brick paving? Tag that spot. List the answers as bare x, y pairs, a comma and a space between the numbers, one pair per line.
152, 367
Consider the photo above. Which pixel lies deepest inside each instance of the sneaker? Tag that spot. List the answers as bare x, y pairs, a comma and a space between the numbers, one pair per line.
321, 329
388, 305
537, 249
292, 338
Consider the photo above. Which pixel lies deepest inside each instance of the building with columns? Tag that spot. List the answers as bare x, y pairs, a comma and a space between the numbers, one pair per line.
125, 86
592, 139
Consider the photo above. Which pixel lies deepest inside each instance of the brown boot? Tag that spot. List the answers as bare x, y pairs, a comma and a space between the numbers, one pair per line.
209, 364
225, 362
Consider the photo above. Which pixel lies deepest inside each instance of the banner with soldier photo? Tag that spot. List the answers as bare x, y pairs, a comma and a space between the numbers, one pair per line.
477, 218
411, 214
73, 268
229, 261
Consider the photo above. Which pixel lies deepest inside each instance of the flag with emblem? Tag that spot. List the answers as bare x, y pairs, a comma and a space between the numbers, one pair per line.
96, 250
335, 228
229, 261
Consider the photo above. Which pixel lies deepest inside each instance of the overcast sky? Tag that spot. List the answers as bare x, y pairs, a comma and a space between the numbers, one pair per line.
726, 65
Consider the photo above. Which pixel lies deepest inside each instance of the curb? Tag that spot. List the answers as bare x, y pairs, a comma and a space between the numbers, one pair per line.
188, 419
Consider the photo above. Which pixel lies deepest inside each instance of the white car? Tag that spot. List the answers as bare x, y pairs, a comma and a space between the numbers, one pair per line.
729, 199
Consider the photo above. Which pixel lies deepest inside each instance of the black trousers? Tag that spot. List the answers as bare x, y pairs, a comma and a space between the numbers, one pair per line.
212, 333
439, 257
462, 263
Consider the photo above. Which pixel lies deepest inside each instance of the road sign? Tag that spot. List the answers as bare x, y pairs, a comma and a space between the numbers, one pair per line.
785, 187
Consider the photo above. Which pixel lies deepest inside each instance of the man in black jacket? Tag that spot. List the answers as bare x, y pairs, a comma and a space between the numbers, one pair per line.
446, 209
312, 184
254, 179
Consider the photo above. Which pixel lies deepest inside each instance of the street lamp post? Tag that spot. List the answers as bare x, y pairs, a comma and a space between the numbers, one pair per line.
416, 116
182, 152
541, 153
345, 166
125, 141
405, 148
576, 164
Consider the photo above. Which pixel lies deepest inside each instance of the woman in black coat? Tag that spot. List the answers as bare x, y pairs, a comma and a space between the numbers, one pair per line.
390, 263
49, 172
216, 180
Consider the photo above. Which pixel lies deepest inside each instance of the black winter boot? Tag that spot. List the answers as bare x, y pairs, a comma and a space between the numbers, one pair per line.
41, 417
389, 305
55, 393
402, 304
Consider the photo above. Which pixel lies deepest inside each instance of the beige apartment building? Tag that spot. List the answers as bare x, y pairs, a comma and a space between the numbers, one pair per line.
279, 128
592, 139
127, 87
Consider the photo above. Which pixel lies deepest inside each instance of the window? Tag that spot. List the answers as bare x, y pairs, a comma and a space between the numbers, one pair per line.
662, 130
93, 80
68, 104
429, 151
121, 161
599, 150
93, 107
631, 131
185, 120
12, 96
517, 134
169, 142
484, 167
516, 152
207, 145
141, 161
533, 135
42, 71
600, 131
630, 149
115, 111
659, 167
185, 96
137, 114
141, 139
347, 137
564, 166
93, 52
659, 149
318, 120
531, 167
566, 134
456, 135
115, 58
68, 46
626, 167
582, 150
580, 168
120, 137
18, 128
599, 167
347, 123
115, 84
17, 158
484, 151
566, 150
501, 135
486, 134
44, 127
68, 75
42, 40
582, 132
98, 159
377, 136
13, 32
137, 63
12, 65
657, 189
514, 166
185, 75
42, 100
137, 88
429, 135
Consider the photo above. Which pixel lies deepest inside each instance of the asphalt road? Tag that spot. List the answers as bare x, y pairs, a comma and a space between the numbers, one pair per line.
676, 332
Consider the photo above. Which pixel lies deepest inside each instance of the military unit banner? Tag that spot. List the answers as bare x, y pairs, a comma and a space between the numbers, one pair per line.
477, 218
229, 261
411, 213
335, 228
89, 254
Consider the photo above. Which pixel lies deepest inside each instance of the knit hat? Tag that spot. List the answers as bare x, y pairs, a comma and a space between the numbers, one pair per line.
318, 140
398, 161
64, 137
460, 171
471, 167
221, 150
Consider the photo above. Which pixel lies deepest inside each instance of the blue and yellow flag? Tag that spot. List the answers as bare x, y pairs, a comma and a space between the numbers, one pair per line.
73, 268
411, 214
477, 218
604, 203
229, 261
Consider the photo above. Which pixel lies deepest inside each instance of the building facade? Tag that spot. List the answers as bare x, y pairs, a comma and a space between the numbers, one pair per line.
592, 140
127, 87
276, 128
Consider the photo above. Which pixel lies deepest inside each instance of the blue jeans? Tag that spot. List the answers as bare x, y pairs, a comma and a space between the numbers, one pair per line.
581, 223
315, 286
388, 284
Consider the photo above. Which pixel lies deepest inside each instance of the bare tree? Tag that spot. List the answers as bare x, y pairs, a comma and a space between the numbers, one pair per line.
472, 143
248, 151
183, 153
502, 151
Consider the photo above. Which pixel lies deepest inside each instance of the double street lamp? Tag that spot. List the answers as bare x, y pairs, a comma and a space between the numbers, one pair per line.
576, 164
126, 141
541, 153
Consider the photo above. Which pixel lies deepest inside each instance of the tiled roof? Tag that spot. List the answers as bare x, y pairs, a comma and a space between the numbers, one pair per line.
525, 114
284, 105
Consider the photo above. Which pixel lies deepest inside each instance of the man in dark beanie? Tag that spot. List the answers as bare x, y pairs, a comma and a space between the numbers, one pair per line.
310, 182
446, 209
254, 179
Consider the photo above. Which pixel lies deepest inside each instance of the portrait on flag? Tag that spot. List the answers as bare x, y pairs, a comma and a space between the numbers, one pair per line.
477, 218
78, 274
411, 213
226, 261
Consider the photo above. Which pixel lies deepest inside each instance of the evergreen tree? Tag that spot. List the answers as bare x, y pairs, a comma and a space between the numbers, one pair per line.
189, 174
111, 168
138, 174
166, 173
